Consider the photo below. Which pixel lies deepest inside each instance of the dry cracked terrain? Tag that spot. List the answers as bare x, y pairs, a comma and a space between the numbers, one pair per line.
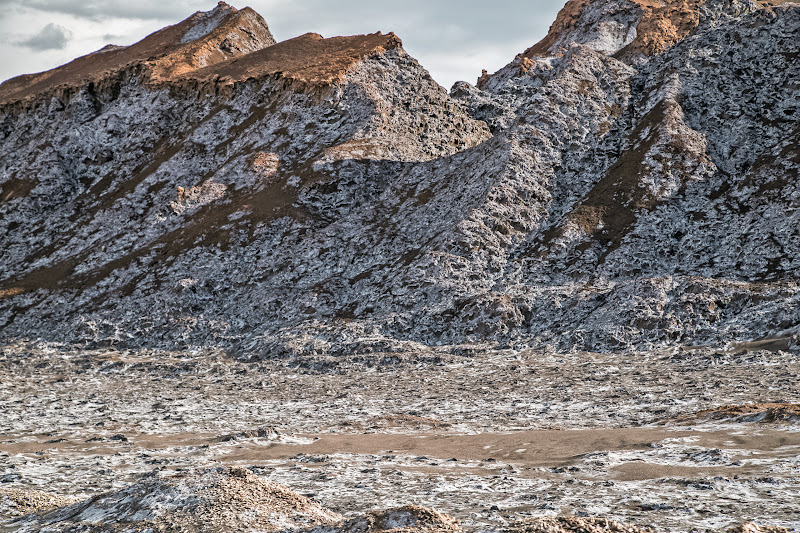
489, 437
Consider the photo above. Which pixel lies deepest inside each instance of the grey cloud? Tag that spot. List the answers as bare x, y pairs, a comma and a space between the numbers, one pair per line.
450, 24
104, 9
52, 37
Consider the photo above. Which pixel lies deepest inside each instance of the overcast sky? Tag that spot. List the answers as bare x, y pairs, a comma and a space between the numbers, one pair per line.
453, 39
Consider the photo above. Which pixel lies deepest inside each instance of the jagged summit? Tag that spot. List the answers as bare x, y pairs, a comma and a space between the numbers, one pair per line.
309, 58
611, 26
629, 30
635, 28
203, 39
204, 22
222, 45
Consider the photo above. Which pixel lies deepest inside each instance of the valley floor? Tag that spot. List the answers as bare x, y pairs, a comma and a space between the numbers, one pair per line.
486, 436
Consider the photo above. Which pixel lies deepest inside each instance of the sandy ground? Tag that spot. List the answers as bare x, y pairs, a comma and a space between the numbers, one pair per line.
487, 436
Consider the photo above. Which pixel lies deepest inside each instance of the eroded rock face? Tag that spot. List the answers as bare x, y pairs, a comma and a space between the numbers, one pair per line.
326, 196
632, 30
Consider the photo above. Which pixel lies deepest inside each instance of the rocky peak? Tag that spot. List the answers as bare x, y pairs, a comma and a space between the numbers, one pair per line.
633, 30
202, 40
204, 22
214, 37
605, 25
629, 30
310, 59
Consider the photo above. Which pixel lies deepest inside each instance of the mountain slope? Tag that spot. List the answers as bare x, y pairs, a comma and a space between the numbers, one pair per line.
327, 196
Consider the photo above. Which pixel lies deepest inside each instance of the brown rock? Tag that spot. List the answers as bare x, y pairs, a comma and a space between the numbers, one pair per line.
20, 502
756, 412
570, 524
162, 56
661, 25
750, 527
310, 59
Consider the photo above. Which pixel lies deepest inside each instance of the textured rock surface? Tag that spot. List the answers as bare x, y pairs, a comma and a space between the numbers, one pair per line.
569, 524
219, 499
326, 196
540, 433
409, 518
574, 524
212, 500
750, 527
234, 499
15, 502
768, 413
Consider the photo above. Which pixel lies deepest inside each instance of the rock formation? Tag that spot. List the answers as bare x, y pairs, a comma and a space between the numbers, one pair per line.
16, 503
218, 499
202, 40
630, 181
768, 413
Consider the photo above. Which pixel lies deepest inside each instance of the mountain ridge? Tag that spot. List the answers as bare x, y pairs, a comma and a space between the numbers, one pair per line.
327, 196
203, 39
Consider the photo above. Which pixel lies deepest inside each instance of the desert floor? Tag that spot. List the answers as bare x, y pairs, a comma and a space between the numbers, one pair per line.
487, 436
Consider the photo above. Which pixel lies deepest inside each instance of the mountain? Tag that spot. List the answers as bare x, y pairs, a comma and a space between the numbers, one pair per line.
202, 40
628, 182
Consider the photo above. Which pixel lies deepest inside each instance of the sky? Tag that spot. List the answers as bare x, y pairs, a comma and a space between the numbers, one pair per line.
453, 39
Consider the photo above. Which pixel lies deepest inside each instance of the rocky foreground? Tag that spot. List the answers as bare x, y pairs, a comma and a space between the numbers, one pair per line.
670, 440
628, 182
233, 499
